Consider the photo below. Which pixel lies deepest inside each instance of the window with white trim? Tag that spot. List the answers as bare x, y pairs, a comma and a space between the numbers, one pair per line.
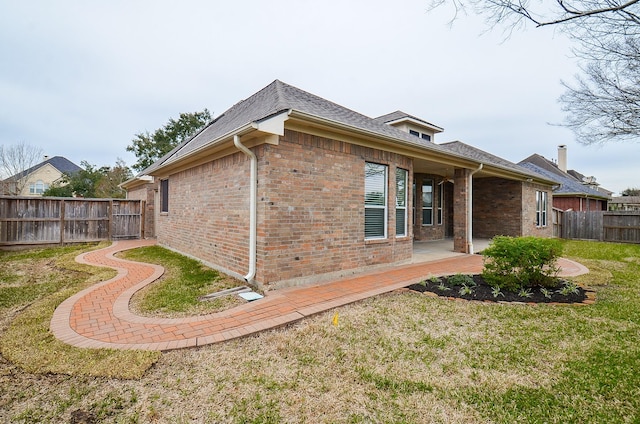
541, 208
164, 196
427, 202
38, 187
375, 201
401, 202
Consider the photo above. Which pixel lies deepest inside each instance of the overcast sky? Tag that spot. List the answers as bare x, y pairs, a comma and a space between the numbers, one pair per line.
80, 78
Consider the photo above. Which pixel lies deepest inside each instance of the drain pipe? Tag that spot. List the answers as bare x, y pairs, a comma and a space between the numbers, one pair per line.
253, 224
470, 211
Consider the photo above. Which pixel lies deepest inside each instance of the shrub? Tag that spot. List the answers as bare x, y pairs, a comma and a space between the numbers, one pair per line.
513, 263
461, 280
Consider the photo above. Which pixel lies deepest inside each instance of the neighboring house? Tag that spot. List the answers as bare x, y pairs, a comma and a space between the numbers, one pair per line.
286, 187
625, 203
574, 191
37, 179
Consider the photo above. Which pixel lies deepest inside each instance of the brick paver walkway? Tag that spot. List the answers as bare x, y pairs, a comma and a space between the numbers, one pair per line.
99, 316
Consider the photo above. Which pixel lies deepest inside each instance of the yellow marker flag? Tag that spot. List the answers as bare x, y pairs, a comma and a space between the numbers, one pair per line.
335, 320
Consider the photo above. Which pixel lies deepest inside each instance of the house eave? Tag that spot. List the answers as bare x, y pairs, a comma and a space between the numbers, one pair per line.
272, 125
436, 129
302, 121
582, 195
136, 181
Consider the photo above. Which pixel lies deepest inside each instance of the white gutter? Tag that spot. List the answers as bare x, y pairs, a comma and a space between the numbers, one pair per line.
470, 211
253, 207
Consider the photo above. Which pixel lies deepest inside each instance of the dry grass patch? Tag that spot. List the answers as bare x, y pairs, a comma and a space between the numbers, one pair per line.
38, 281
315, 372
29, 343
401, 357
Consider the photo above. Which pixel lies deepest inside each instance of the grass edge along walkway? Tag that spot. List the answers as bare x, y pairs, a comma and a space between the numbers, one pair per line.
99, 316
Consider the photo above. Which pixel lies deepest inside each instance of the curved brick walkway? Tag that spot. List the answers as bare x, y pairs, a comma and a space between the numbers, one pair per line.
99, 316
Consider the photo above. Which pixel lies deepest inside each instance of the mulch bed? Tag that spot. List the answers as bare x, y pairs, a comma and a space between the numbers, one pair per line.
482, 292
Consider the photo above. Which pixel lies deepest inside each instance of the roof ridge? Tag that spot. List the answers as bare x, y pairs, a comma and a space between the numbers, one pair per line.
281, 102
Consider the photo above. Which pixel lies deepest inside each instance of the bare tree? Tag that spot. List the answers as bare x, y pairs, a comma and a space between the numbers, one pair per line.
515, 13
603, 104
14, 160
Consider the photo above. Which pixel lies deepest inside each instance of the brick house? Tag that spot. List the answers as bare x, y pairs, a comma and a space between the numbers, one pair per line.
625, 203
574, 191
286, 187
37, 179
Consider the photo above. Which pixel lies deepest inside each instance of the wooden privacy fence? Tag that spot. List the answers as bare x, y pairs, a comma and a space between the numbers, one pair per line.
556, 220
616, 226
54, 220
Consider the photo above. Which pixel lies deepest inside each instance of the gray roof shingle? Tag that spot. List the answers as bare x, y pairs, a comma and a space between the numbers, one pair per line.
398, 115
279, 97
62, 164
487, 158
568, 184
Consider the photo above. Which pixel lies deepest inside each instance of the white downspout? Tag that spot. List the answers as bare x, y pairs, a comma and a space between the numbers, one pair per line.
470, 211
253, 207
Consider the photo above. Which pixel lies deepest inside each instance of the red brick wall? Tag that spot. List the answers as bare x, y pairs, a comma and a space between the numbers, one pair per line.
209, 213
311, 209
460, 212
497, 207
507, 207
578, 204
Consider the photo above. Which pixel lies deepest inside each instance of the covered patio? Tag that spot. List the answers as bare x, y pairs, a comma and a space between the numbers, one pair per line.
433, 250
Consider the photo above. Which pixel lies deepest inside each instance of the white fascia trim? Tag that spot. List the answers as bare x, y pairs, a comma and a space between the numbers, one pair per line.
416, 122
271, 125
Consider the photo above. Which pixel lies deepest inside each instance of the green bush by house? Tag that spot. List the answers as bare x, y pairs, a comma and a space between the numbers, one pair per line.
514, 263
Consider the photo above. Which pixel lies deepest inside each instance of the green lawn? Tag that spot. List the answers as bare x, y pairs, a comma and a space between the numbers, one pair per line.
185, 280
396, 358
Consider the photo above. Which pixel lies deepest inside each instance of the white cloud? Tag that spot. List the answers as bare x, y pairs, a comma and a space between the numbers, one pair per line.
82, 78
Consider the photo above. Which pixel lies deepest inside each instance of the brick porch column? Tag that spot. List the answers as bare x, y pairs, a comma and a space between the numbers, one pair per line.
460, 207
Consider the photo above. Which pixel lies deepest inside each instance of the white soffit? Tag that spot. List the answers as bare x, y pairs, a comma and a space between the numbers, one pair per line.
273, 124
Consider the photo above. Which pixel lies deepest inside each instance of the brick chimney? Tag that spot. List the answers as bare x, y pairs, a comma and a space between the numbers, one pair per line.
562, 157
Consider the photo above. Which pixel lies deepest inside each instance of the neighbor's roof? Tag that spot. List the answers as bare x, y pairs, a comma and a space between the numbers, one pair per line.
62, 164
571, 180
568, 184
544, 163
627, 200
279, 97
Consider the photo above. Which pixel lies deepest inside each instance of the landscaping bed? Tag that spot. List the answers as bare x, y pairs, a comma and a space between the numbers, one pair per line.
453, 287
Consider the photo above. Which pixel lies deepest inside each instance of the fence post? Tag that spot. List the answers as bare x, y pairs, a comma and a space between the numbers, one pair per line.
111, 221
62, 212
143, 215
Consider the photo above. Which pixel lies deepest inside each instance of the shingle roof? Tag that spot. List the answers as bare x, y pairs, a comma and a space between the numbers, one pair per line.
279, 97
487, 158
544, 163
62, 164
629, 200
568, 184
399, 115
